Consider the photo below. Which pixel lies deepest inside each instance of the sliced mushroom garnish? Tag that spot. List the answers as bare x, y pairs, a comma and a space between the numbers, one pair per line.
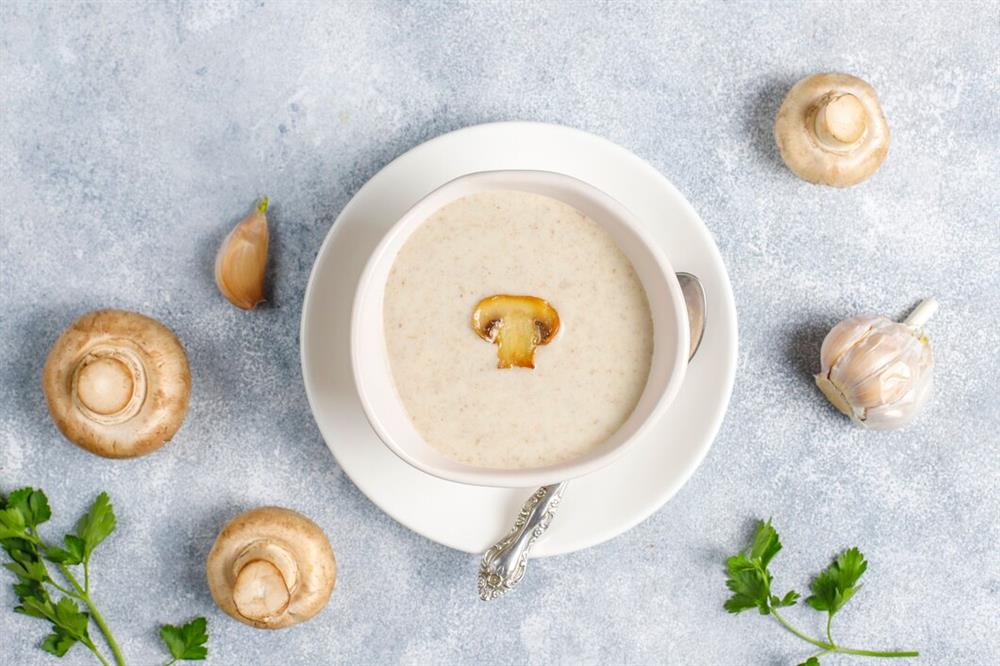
517, 325
117, 383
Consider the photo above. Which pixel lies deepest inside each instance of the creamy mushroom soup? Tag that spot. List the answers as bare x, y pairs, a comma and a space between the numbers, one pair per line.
586, 379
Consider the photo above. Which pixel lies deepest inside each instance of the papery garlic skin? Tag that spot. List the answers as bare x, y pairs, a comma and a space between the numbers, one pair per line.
878, 372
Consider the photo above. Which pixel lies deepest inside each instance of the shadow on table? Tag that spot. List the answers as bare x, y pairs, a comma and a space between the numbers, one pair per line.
763, 108
803, 348
35, 336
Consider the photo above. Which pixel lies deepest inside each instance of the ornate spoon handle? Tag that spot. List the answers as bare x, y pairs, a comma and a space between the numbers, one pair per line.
503, 565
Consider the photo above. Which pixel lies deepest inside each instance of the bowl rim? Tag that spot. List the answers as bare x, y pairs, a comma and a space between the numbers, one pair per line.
521, 478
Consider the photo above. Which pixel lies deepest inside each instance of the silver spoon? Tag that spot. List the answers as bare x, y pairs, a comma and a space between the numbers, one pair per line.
503, 565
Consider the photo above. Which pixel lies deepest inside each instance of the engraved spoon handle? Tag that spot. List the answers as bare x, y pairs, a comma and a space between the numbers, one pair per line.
503, 565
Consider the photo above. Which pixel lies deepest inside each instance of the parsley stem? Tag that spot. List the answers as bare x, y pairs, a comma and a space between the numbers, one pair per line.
83, 594
95, 614
876, 653
829, 619
808, 639
119, 659
93, 648
62, 567
67, 592
833, 647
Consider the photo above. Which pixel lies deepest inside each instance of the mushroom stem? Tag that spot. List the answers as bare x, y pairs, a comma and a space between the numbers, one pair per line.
922, 313
266, 577
260, 592
109, 384
840, 122
511, 332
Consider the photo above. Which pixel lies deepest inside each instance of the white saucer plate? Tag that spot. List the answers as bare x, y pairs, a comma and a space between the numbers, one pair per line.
594, 508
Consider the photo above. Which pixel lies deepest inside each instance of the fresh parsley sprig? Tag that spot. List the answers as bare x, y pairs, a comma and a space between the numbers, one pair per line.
750, 582
38, 593
187, 642
20, 515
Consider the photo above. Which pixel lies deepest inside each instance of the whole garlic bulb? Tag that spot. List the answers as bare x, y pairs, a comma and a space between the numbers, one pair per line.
877, 371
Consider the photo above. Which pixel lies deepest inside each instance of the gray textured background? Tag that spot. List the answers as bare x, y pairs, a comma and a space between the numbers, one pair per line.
134, 135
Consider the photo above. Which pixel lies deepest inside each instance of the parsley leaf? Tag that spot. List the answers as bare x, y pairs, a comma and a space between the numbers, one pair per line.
31, 504
811, 661
765, 543
96, 524
72, 554
12, 524
749, 577
70, 619
836, 585
69, 624
789, 599
58, 642
748, 584
186, 642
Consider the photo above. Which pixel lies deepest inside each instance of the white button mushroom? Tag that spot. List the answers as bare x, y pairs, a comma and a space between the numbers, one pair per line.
831, 130
117, 383
271, 568
876, 371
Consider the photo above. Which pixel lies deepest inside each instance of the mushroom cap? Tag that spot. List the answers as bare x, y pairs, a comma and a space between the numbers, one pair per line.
272, 543
492, 309
858, 133
117, 383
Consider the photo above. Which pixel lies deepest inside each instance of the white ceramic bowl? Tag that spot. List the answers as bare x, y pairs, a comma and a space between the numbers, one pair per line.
369, 358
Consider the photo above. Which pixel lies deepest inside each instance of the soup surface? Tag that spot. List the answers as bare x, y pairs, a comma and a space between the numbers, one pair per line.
585, 382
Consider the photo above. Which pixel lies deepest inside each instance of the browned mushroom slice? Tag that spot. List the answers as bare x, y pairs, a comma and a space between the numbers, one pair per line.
516, 324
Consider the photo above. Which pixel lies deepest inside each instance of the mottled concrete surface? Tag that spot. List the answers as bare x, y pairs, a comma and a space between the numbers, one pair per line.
134, 134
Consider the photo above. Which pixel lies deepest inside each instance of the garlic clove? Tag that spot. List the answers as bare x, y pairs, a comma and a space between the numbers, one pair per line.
902, 412
885, 387
834, 395
242, 260
843, 336
877, 371
879, 347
